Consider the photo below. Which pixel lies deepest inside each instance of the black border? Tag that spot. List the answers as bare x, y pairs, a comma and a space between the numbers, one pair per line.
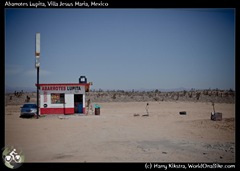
137, 4
2, 116
119, 4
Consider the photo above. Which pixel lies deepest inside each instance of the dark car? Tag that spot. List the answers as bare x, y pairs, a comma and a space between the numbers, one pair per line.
28, 110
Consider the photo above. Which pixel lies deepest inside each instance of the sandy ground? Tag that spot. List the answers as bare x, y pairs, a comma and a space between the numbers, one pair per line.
116, 135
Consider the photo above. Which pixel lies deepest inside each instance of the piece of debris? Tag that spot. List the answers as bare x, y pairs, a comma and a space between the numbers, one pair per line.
147, 107
63, 117
145, 115
135, 114
164, 152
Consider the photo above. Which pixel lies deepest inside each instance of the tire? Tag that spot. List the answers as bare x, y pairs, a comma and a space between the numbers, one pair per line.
183, 113
8, 158
17, 160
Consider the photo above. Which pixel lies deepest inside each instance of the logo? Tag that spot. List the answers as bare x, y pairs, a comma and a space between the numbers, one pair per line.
12, 157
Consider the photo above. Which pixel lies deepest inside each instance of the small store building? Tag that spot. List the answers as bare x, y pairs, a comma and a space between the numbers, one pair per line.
63, 98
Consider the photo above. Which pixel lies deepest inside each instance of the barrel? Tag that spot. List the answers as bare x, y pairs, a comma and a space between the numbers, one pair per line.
97, 111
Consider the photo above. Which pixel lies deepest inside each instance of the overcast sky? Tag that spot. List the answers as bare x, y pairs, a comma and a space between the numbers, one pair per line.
121, 48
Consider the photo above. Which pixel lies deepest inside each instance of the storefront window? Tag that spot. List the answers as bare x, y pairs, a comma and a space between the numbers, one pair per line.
57, 98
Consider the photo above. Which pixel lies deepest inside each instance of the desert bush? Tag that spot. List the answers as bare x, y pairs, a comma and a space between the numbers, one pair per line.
114, 96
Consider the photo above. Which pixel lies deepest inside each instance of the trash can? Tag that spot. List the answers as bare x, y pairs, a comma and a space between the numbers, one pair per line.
97, 109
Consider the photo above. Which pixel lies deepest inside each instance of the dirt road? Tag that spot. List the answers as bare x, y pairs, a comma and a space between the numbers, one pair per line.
116, 135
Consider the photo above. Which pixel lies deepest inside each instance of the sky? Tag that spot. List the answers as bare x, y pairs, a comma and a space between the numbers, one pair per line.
122, 48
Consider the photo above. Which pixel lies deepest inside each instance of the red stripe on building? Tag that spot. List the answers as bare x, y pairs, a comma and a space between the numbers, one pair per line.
58, 110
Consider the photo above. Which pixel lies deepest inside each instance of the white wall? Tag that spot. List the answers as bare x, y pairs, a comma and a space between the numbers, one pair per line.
69, 98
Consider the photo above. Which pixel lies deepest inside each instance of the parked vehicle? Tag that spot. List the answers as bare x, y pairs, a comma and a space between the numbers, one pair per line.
28, 110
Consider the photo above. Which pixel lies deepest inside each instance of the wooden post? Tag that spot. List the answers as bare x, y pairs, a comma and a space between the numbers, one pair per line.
213, 107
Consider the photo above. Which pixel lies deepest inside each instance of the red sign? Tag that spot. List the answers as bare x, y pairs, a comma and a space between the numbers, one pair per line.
58, 88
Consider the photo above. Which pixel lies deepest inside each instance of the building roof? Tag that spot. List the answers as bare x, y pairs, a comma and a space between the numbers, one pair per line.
64, 84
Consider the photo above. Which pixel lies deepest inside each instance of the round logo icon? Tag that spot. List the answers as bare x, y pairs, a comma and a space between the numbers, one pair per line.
12, 157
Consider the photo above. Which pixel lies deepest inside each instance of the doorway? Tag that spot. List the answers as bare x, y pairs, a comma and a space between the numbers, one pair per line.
78, 103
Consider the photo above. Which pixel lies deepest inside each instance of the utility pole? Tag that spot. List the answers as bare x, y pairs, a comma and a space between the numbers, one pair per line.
37, 65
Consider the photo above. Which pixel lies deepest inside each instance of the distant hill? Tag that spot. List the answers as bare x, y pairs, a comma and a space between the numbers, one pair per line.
147, 90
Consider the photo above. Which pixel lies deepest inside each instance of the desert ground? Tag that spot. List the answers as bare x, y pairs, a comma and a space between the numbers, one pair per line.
118, 135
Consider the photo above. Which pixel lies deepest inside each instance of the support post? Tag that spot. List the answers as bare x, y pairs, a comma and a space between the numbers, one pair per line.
37, 92
37, 65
